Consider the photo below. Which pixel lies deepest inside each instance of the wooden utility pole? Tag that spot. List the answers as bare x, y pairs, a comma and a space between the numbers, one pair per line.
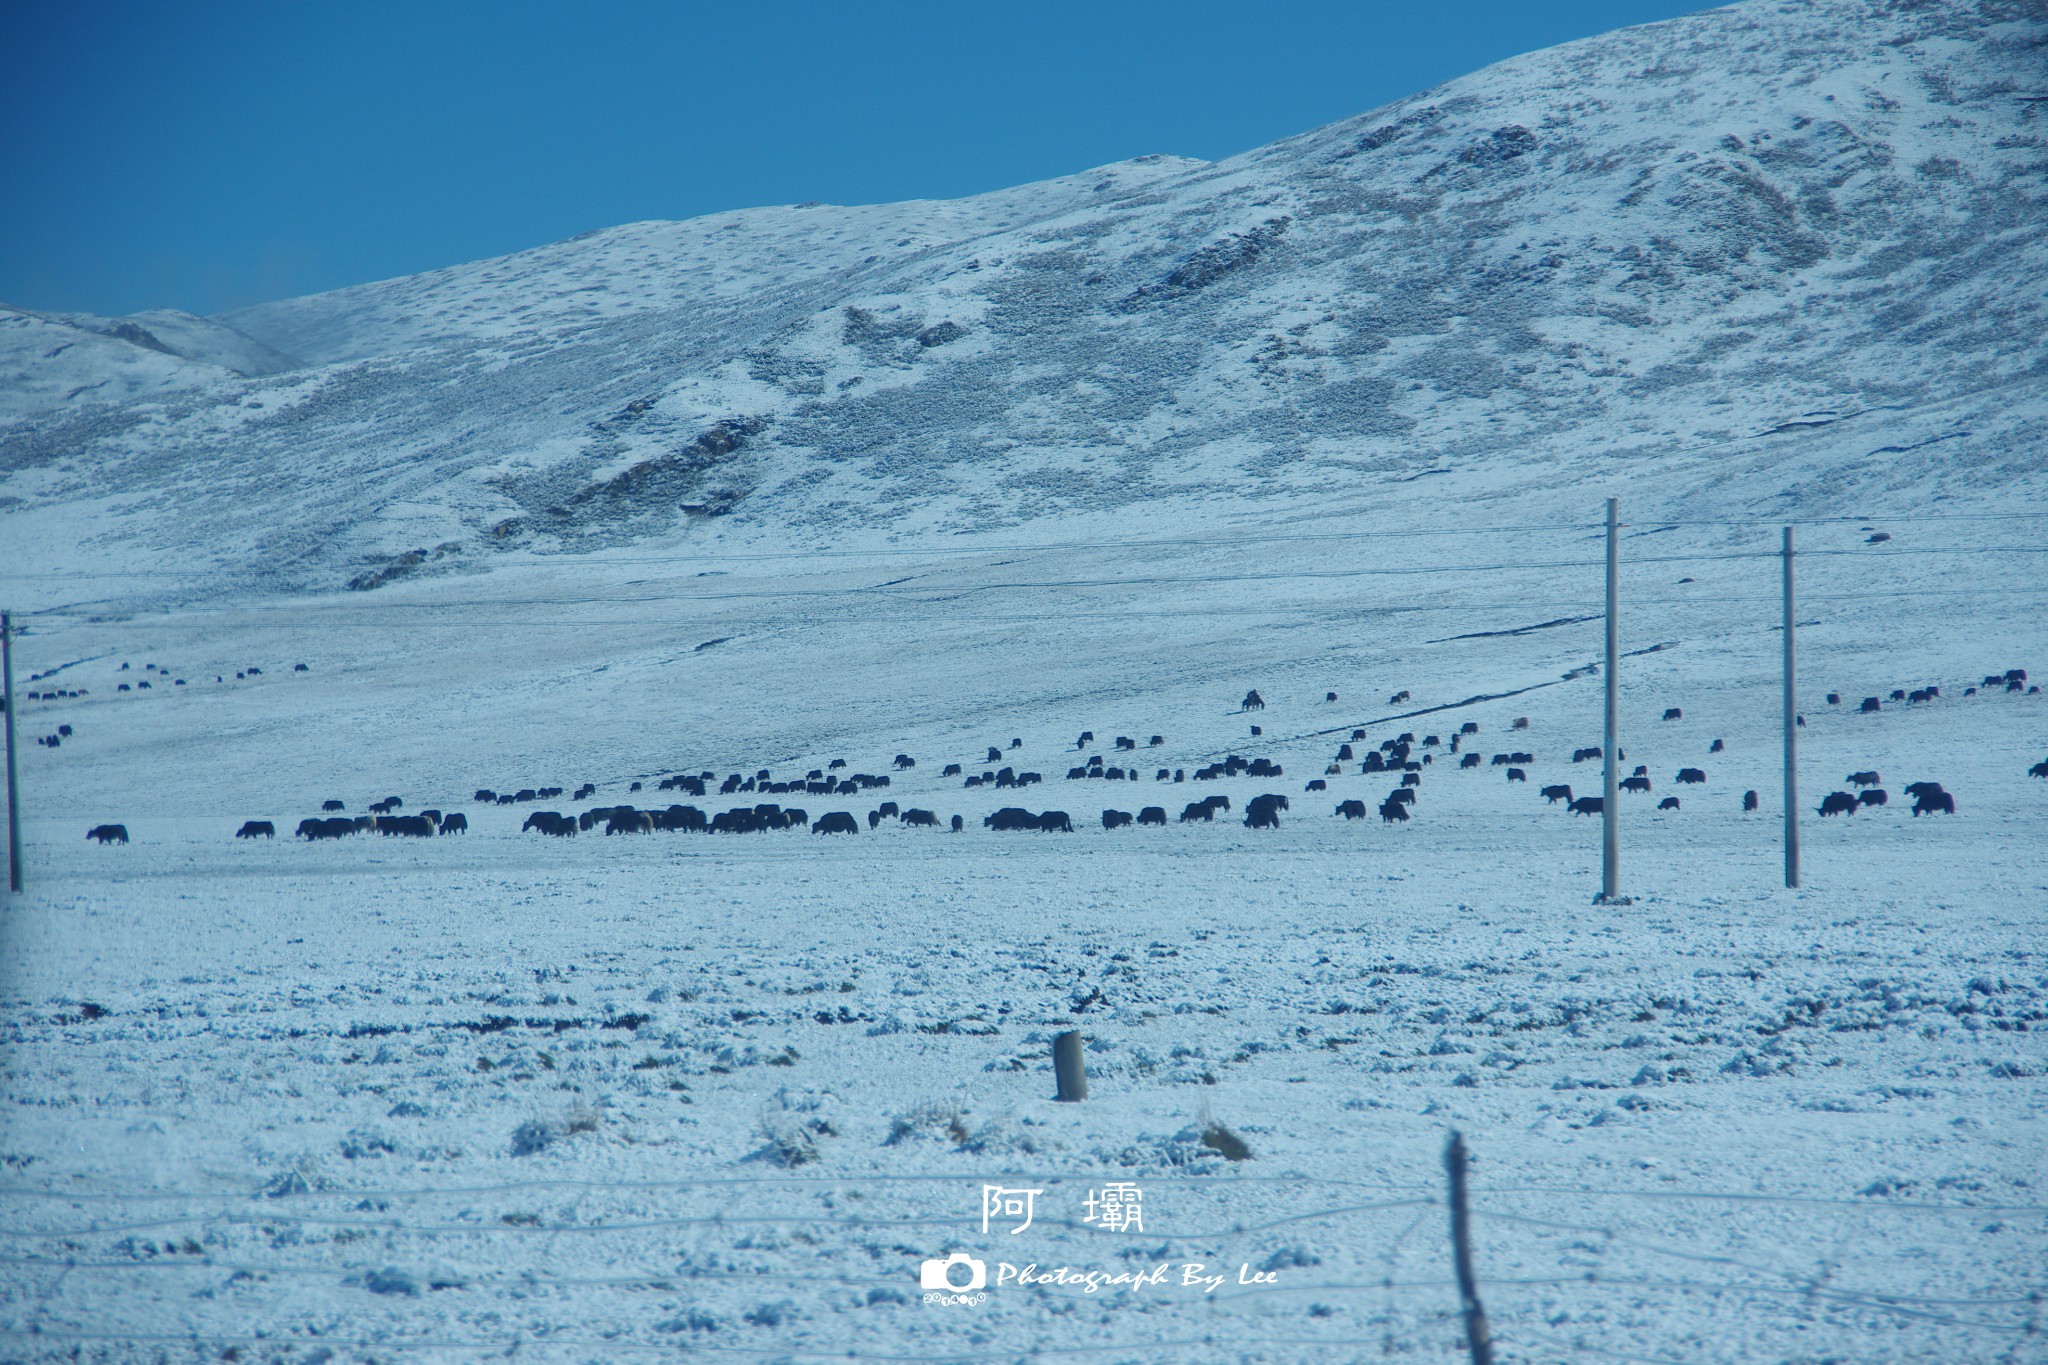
1791, 733
1610, 806
13, 790
1476, 1336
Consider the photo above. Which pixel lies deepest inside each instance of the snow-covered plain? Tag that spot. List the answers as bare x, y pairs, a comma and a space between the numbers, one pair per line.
597, 1098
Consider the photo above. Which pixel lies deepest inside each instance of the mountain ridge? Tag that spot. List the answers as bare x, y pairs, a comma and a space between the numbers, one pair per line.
1710, 253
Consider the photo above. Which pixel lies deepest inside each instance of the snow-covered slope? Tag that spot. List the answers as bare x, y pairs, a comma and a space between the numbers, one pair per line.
1762, 253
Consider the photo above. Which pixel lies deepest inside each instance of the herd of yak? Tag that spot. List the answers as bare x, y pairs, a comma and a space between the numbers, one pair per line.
1402, 755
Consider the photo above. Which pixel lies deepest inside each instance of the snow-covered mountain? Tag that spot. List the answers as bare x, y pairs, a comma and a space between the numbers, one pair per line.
1765, 252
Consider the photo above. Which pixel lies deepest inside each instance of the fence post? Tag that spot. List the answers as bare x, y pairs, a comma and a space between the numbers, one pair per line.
1610, 779
1067, 1067
13, 790
1791, 733
1461, 1247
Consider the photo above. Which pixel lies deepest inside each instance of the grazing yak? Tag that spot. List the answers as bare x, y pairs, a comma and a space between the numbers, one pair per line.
1521, 723
550, 822
1638, 785
1253, 701
1398, 698
455, 823
1668, 803
1517, 775
332, 805
1557, 793
1197, 810
1589, 805
958, 824
951, 770
1115, 819
256, 829
1863, 779
1126, 742
1749, 801
1870, 704
313, 827
919, 818
1691, 776
1329, 696
1838, 803
836, 822
1581, 755
1263, 811
1056, 821
1351, 810
1390, 811
1411, 779
1402, 796
1010, 818
1673, 713
2039, 769
1469, 761
1152, 815
1470, 727
1898, 694
903, 761
108, 834
1874, 797
1318, 785
995, 755
1927, 802
1716, 747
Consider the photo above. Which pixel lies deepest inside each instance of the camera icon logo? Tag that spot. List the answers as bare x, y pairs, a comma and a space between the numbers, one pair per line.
938, 1274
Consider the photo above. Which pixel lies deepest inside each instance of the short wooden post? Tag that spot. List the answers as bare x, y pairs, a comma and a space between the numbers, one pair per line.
1068, 1069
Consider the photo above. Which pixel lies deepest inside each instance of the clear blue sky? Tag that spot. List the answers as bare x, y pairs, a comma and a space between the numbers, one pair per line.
204, 154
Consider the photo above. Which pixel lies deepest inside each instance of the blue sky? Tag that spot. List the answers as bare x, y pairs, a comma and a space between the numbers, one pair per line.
208, 154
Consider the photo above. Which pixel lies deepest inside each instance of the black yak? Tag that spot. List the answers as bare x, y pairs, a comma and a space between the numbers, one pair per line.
1673, 713
1557, 793
1691, 776
905, 761
1874, 797
332, 805
256, 829
1929, 802
1517, 775
108, 834
1589, 805
1411, 779
1009, 818
1668, 803
1197, 810
455, 823
1402, 796
1469, 761
1716, 747
1152, 815
1263, 811
835, 822
1390, 811
1126, 742
1870, 704
1635, 784
1317, 785
1351, 810
1838, 803
1115, 819
1397, 698
2039, 769
1056, 821
1864, 779
919, 818
1253, 701
1749, 801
